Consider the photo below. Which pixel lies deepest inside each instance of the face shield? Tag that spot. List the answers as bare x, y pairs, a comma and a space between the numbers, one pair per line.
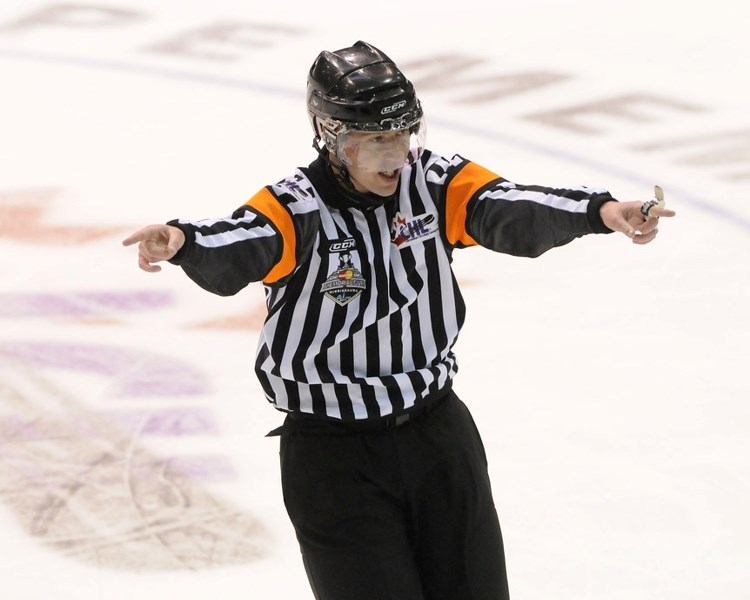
384, 149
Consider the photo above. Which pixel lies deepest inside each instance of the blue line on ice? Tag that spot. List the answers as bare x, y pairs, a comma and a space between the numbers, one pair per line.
488, 135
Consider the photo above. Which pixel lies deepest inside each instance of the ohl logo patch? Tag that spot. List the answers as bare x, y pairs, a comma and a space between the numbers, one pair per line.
346, 282
406, 230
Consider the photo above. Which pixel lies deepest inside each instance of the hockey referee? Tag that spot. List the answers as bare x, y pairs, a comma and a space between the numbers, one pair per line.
383, 471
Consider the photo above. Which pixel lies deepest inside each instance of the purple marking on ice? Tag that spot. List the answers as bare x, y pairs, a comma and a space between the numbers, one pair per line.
87, 304
136, 373
204, 468
171, 422
15, 428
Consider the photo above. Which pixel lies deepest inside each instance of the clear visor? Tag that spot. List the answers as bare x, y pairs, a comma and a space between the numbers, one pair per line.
378, 151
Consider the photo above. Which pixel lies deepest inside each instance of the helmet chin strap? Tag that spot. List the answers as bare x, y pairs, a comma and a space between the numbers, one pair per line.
361, 200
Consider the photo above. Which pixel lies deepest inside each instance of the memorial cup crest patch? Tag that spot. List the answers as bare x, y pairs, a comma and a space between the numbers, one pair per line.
345, 283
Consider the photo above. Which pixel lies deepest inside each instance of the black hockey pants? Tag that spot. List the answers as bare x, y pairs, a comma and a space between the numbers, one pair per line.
399, 513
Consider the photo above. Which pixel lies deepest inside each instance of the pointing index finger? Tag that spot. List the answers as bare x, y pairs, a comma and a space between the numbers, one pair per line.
139, 236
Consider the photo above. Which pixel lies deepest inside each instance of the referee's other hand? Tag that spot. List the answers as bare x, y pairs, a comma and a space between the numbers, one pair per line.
156, 243
627, 218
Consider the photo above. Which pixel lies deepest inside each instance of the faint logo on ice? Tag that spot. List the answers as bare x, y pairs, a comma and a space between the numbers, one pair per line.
83, 482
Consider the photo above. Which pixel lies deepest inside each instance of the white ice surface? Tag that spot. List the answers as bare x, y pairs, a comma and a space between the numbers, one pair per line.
610, 382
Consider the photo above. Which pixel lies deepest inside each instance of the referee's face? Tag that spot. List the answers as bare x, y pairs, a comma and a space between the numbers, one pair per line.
375, 160
380, 183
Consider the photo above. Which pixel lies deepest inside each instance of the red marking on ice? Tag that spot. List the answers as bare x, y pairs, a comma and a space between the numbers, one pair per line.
252, 319
21, 216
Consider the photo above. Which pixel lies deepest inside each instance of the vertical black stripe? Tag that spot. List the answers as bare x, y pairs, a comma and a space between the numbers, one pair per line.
345, 404
381, 273
379, 292
371, 403
264, 382
318, 400
292, 394
435, 294
396, 326
417, 283
417, 383
313, 310
395, 395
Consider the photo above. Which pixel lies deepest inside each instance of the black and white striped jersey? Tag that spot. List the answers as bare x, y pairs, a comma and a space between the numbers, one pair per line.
363, 306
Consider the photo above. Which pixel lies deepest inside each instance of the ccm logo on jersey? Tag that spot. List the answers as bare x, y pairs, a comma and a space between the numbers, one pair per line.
393, 107
342, 245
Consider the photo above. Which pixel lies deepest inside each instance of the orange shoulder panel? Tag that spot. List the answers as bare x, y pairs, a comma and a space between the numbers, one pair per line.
460, 190
267, 204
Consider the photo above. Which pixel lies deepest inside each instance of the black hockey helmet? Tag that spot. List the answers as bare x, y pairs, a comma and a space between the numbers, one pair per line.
359, 88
